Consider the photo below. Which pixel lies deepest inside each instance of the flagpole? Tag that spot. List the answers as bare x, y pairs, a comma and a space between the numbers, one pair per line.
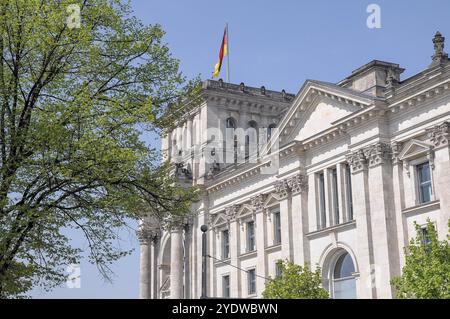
228, 55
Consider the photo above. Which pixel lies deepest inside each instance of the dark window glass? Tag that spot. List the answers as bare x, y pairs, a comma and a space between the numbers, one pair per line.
424, 182
323, 213
344, 285
226, 286
225, 244
251, 277
277, 228
251, 244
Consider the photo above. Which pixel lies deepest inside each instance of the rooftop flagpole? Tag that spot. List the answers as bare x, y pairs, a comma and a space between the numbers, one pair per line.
228, 54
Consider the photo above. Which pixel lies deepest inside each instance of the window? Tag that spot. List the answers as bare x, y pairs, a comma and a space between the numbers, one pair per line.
226, 286
344, 286
425, 235
278, 271
251, 244
348, 183
251, 281
322, 208
225, 244
276, 228
335, 196
270, 130
424, 182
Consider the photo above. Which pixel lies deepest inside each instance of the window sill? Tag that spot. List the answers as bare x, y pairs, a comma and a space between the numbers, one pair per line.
222, 262
422, 208
272, 248
339, 228
248, 254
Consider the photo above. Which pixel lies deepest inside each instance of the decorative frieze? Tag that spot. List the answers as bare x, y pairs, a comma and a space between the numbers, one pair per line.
439, 134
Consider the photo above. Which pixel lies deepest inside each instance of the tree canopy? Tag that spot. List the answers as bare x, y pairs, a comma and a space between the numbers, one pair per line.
296, 282
426, 274
74, 101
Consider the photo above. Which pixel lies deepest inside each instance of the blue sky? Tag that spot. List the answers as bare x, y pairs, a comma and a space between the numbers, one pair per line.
278, 44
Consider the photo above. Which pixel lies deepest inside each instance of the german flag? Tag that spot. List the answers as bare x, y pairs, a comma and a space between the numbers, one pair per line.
223, 52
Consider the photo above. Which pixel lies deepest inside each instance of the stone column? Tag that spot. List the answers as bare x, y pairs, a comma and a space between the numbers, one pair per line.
399, 201
298, 185
439, 136
282, 189
361, 211
145, 279
176, 263
260, 224
234, 233
154, 265
382, 218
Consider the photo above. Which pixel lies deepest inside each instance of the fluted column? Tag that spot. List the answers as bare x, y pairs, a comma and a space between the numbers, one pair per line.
261, 260
364, 246
440, 162
145, 279
176, 263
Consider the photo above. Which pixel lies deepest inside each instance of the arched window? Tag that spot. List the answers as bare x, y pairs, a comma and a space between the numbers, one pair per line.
343, 281
231, 123
252, 135
269, 130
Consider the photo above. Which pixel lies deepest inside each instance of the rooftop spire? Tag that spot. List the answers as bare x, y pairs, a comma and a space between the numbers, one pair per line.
439, 56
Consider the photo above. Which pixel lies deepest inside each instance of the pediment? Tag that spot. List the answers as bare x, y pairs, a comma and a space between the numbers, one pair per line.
414, 148
315, 108
244, 210
220, 220
271, 200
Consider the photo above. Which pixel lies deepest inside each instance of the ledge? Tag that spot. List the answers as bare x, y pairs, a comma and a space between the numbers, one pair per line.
222, 262
273, 248
341, 227
247, 255
422, 208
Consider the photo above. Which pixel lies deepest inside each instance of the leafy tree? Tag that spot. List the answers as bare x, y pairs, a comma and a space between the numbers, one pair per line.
426, 274
296, 282
74, 101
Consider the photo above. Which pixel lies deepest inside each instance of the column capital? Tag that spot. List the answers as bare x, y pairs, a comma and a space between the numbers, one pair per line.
439, 134
297, 183
281, 188
257, 202
377, 154
147, 235
230, 212
357, 161
396, 148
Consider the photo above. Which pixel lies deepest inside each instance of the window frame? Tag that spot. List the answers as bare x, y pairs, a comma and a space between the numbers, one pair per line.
252, 239
418, 184
251, 281
225, 248
226, 288
276, 227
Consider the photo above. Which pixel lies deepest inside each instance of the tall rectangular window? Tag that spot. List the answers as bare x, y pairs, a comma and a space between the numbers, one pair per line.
322, 207
225, 244
251, 244
251, 281
226, 286
277, 228
278, 271
348, 184
424, 182
335, 196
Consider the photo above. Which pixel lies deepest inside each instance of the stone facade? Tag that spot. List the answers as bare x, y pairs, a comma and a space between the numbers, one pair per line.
358, 163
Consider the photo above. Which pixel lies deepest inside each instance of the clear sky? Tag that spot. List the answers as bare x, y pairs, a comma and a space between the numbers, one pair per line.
278, 44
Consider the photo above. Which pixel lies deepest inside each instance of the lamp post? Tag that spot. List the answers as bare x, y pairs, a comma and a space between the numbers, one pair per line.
204, 229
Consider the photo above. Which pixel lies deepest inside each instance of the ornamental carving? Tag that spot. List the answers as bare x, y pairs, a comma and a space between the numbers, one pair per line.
439, 134
281, 188
147, 235
378, 153
231, 212
357, 160
297, 183
258, 202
